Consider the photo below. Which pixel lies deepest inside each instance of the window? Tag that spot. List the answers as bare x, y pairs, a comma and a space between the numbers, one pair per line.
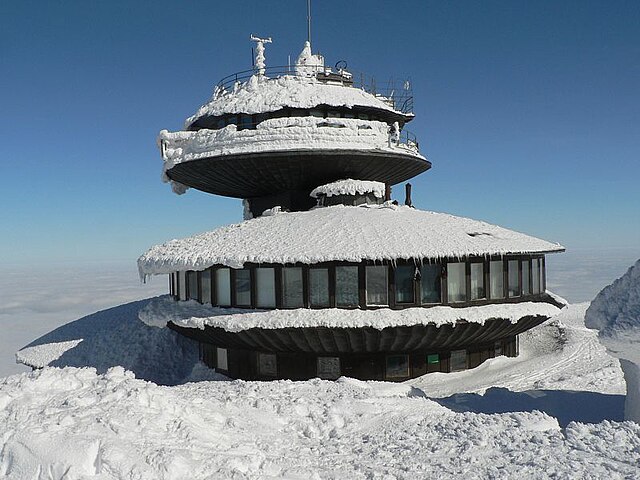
221, 354
265, 288
456, 282
192, 285
404, 276
513, 276
319, 287
267, 364
526, 281
245, 122
477, 281
174, 284
430, 283
347, 287
458, 360
243, 287
535, 275
496, 279
328, 368
223, 287
377, 285
205, 286
182, 280
397, 366
292, 287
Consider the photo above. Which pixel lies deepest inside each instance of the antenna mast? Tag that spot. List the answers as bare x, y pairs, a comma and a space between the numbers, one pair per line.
309, 21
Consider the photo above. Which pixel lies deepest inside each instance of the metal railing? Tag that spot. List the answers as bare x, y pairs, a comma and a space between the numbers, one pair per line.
396, 93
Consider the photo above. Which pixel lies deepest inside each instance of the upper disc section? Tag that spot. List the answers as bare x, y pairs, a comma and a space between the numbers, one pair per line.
272, 130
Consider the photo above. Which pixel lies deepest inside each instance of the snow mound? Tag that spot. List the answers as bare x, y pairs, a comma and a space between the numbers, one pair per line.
262, 95
615, 313
367, 232
116, 337
192, 314
114, 426
350, 187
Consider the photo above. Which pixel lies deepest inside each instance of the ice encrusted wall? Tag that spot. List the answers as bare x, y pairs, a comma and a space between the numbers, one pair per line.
615, 312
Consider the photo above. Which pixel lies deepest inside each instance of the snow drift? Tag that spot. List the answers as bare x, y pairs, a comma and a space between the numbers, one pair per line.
615, 313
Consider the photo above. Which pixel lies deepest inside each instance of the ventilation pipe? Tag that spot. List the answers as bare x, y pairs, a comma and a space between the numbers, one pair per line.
387, 192
407, 195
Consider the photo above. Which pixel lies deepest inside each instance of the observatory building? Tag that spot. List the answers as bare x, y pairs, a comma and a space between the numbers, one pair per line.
327, 275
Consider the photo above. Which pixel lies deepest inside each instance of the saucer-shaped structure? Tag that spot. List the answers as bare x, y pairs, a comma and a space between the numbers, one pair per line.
372, 291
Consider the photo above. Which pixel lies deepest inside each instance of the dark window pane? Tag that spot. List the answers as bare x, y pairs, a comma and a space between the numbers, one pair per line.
319, 287
377, 285
514, 281
243, 287
347, 286
477, 281
292, 287
404, 276
328, 368
265, 287
267, 364
192, 284
456, 282
526, 282
205, 286
430, 283
496, 277
397, 366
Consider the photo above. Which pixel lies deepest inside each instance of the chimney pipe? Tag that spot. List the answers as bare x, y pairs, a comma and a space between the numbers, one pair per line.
387, 192
407, 195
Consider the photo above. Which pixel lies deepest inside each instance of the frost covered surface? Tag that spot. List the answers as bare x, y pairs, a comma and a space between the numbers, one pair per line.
554, 415
192, 314
115, 337
42, 355
340, 233
262, 95
281, 135
350, 187
615, 313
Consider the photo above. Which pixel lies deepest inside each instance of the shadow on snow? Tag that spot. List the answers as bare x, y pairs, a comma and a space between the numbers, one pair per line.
565, 405
117, 337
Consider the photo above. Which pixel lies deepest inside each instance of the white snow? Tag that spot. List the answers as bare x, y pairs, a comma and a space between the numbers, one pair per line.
280, 135
261, 94
350, 187
556, 414
341, 233
192, 314
40, 356
615, 313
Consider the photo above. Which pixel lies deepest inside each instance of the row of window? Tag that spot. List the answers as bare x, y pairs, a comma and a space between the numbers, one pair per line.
396, 366
351, 286
245, 121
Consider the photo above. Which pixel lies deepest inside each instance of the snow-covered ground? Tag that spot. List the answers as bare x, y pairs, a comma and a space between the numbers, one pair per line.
555, 411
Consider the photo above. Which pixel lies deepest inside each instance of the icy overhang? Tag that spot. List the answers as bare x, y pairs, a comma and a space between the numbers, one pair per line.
192, 314
349, 187
340, 233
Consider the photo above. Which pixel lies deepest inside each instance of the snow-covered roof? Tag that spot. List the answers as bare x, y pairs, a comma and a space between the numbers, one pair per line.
350, 187
192, 314
340, 233
263, 94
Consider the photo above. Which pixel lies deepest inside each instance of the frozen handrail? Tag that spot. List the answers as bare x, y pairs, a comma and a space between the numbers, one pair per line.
397, 94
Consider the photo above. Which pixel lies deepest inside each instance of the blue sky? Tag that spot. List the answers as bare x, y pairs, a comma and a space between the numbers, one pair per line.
529, 112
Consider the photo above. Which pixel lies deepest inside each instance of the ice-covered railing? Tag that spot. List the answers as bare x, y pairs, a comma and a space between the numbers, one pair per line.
398, 94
